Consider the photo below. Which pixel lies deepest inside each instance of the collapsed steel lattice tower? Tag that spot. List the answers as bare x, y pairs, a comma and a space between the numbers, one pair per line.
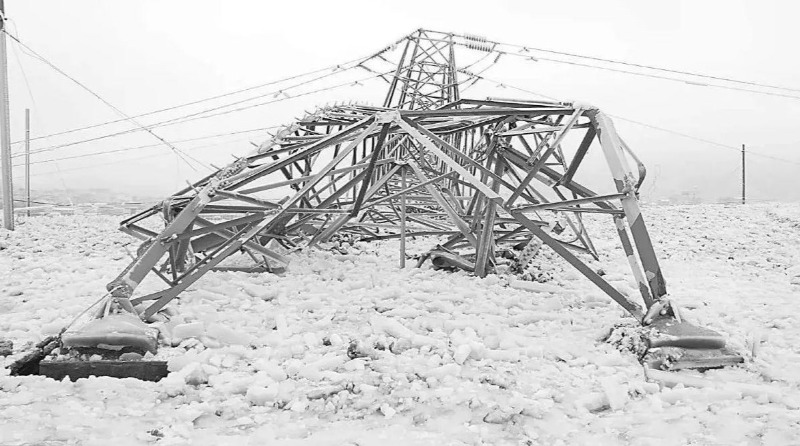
483, 173
475, 170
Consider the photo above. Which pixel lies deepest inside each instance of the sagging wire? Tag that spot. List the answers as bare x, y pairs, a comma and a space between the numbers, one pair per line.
204, 113
101, 99
482, 44
125, 149
325, 69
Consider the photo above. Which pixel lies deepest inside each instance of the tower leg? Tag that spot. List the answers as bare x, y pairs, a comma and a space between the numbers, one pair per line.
624, 182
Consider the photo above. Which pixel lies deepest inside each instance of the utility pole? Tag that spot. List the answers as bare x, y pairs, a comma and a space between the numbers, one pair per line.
5, 129
28, 160
743, 177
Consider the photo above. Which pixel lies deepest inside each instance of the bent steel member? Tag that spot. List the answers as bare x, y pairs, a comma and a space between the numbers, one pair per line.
482, 173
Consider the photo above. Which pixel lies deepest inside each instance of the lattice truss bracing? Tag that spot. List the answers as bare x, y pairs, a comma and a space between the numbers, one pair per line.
426, 76
481, 174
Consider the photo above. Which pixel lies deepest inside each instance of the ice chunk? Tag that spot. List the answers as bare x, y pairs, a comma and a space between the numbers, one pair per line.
52, 328
282, 326
299, 405
205, 313
616, 394
442, 371
336, 340
593, 402
499, 416
177, 363
196, 375
228, 336
261, 436
272, 369
262, 396
259, 291
395, 329
183, 331
387, 410
311, 339
325, 392
329, 362
286, 390
534, 287
461, 353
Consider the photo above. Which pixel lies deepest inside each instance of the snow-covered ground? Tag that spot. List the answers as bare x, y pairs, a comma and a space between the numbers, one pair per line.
446, 358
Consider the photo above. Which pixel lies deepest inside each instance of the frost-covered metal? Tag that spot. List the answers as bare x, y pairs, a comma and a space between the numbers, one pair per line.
481, 174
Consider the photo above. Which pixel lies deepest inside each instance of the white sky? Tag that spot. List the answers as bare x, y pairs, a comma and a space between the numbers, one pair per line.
146, 55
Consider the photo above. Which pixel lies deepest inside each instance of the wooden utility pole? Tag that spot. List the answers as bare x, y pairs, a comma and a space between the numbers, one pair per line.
5, 133
28, 160
743, 177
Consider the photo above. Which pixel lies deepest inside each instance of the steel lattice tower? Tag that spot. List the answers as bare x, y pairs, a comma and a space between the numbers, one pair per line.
481, 175
426, 76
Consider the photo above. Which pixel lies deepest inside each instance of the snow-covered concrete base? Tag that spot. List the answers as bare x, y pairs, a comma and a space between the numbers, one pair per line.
349, 349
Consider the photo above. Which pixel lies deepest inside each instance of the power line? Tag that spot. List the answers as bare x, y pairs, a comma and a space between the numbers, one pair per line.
505, 85
25, 78
187, 104
198, 115
331, 71
638, 65
83, 167
126, 149
90, 91
647, 75
155, 145
654, 76
674, 132
336, 70
202, 114
230, 111
42, 202
707, 141
117, 161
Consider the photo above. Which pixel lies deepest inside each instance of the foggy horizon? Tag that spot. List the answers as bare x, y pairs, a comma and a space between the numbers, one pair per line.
153, 56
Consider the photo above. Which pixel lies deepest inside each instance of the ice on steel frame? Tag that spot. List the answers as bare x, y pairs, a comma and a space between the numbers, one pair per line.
484, 173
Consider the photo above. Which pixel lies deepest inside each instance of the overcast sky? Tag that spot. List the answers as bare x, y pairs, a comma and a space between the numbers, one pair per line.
147, 55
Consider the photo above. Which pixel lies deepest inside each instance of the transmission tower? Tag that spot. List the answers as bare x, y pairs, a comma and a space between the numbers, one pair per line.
484, 176
426, 76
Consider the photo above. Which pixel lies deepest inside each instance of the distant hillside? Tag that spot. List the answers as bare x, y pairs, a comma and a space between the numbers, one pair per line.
77, 196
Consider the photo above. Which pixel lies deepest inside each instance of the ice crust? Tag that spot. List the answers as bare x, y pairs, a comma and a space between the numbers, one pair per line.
347, 349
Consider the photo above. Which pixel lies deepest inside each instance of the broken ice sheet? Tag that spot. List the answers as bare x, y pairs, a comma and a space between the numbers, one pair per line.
531, 353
